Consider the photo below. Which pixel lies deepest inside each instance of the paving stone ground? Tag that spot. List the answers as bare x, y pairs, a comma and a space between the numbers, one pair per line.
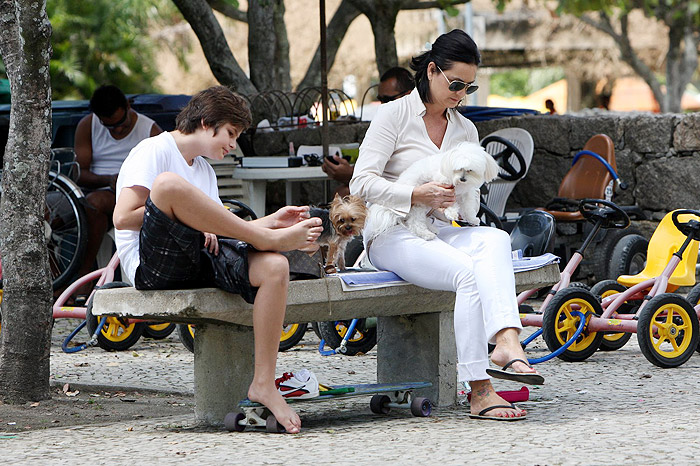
614, 408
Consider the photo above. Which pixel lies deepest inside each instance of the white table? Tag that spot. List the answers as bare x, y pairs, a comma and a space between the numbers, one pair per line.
257, 179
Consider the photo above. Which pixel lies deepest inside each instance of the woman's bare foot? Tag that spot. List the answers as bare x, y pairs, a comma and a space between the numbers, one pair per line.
484, 396
299, 236
507, 349
271, 398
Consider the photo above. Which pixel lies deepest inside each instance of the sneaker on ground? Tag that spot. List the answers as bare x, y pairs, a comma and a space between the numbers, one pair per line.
299, 385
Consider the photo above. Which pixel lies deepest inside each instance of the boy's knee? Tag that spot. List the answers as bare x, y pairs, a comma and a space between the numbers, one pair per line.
167, 182
275, 267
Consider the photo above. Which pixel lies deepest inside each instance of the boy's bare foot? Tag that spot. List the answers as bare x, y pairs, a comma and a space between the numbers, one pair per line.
299, 236
271, 398
484, 396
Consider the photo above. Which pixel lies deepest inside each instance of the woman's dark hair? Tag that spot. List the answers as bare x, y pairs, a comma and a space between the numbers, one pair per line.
106, 100
451, 47
214, 107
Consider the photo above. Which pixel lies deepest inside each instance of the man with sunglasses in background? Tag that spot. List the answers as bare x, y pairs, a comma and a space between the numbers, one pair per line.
103, 139
395, 83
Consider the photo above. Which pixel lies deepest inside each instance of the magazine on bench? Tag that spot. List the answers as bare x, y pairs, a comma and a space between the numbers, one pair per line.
353, 279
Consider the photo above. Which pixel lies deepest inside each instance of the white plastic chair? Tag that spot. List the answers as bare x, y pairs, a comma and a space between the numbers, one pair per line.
500, 189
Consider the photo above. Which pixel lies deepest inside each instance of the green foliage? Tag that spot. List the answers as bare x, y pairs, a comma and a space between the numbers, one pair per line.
523, 82
448, 6
103, 41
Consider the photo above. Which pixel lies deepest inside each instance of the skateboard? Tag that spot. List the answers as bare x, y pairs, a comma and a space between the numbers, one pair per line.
385, 397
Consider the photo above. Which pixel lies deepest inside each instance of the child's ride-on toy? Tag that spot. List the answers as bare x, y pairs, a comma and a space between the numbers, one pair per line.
603, 215
666, 324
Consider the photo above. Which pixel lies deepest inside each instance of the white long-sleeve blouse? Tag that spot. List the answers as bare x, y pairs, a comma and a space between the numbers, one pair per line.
396, 138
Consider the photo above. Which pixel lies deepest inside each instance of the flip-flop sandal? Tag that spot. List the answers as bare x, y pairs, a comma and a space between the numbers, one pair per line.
522, 377
482, 414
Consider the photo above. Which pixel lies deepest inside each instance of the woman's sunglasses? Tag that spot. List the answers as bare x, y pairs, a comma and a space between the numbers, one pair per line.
457, 85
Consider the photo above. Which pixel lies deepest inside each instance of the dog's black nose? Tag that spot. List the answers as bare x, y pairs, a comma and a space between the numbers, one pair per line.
462, 179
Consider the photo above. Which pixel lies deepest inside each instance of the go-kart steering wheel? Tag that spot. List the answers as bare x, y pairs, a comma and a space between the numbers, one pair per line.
609, 215
503, 157
689, 228
240, 209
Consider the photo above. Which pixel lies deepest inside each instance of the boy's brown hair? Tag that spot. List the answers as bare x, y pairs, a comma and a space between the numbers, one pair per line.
214, 107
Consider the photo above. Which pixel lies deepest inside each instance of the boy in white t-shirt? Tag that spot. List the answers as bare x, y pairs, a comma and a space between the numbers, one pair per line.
168, 215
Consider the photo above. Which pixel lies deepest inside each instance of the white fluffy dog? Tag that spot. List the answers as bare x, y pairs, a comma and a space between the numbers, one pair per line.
466, 167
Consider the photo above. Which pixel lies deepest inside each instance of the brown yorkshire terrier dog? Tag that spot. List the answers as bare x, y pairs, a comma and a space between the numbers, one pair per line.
344, 220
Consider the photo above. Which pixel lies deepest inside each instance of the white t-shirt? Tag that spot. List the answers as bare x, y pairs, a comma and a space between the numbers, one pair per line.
108, 153
396, 138
145, 162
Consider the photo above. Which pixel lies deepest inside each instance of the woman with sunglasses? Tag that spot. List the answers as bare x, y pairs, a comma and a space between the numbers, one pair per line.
474, 262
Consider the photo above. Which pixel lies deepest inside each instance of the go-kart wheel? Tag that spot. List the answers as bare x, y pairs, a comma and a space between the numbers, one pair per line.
291, 335
503, 158
629, 256
272, 426
421, 407
693, 298
158, 330
314, 327
363, 339
601, 254
378, 404
613, 341
117, 334
232, 422
559, 324
667, 330
579, 285
186, 334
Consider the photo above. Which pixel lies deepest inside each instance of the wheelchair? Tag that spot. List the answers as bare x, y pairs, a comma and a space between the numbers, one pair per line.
65, 224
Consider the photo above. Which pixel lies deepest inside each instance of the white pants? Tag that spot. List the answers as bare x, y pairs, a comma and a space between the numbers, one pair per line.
474, 262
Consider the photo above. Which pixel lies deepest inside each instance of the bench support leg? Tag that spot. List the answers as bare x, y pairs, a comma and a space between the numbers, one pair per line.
419, 348
223, 370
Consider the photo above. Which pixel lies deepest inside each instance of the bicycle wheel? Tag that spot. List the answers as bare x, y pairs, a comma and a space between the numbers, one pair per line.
65, 228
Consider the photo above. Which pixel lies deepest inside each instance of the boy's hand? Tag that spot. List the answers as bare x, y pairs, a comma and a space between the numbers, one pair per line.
211, 242
290, 215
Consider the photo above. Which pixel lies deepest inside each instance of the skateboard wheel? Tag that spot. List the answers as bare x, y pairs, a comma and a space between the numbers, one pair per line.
272, 426
379, 404
232, 422
421, 407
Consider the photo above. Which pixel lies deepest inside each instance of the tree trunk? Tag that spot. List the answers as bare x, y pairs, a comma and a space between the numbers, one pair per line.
337, 28
25, 340
681, 57
382, 16
216, 50
268, 47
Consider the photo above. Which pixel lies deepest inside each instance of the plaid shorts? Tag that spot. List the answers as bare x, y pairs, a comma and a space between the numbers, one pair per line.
173, 256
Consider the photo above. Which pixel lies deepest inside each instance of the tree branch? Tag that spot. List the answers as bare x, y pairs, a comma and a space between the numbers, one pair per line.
229, 11
626, 51
337, 28
221, 61
418, 5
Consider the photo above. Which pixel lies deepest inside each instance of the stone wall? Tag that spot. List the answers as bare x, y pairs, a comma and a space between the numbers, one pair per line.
657, 155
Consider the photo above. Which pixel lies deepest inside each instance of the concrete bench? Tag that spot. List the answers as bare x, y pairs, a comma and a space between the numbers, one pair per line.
415, 331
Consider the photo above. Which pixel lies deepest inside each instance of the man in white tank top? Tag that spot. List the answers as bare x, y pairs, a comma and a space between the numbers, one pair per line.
103, 139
